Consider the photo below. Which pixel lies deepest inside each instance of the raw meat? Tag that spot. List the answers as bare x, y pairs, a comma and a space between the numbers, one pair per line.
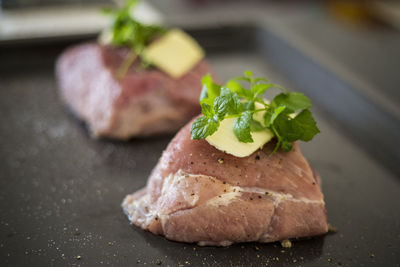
197, 193
142, 103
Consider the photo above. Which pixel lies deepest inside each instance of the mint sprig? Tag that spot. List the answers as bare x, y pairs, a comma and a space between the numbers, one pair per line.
126, 31
287, 116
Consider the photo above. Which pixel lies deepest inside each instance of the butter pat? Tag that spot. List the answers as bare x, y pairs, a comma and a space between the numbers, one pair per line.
225, 140
175, 53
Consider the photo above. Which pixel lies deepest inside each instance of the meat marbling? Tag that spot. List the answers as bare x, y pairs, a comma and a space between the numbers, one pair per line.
142, 103
199, 194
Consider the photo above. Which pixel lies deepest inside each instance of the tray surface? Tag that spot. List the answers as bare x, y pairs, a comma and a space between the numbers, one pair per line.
60, 191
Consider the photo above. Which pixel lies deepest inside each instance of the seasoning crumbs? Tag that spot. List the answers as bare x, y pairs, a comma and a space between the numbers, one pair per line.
286, 243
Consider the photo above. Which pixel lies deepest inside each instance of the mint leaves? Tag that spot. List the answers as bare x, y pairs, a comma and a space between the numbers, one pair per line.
293, 101
227, 102
287, 116
128, 32
203, 127
241, 127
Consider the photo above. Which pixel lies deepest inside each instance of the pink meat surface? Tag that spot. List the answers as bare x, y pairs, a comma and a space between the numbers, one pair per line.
197, 193
142, 103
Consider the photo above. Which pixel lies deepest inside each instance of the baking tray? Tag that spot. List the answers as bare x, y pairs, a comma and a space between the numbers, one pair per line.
60, 190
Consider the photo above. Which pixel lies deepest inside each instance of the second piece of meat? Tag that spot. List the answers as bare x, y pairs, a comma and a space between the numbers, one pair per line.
142, 103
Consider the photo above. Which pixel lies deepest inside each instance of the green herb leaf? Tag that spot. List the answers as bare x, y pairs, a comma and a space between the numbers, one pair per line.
260, 89
203, 127
209, 91
248, 74
275, 114
248, 105
238, 89
241, 127
293, 101
285, 128
226, 103
302, 127
235, 101
128, 32
242, 78
207, 110
305, 124
261, 80
256, 126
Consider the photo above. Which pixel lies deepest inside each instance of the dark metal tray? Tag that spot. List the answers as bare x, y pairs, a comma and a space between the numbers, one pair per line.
60, 191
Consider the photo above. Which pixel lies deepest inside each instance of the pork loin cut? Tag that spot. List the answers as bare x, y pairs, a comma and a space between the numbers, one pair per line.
197, 193
142, 103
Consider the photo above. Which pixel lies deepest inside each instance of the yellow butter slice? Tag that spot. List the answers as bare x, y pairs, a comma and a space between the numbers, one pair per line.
174, 53
225, 140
